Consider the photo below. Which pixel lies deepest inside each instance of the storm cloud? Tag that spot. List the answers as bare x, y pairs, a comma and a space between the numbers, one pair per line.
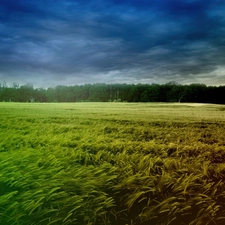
70, 42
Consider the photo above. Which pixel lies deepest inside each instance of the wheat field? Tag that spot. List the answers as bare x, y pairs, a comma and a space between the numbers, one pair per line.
112, 164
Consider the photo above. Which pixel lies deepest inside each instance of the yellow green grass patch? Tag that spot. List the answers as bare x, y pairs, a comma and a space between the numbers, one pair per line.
112, 163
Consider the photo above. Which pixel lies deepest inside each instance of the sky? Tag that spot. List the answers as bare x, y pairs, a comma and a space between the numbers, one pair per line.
72, 42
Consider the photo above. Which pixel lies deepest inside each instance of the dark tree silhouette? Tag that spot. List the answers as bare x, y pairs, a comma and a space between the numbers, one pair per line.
100, 92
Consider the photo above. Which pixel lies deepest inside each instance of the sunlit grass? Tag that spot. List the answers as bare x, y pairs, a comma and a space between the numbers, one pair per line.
112, 163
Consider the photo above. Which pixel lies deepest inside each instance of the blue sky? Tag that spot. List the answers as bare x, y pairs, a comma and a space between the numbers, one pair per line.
68, 42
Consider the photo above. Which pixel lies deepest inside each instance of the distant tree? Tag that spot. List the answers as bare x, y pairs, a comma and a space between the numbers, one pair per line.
116, 91
173, 83
26, 92
169, 92
15, 85
60, 93
41, 95
219, 95
154, 93
196, 93
176, 91
32, 99
2, 85
8, 95
99, 93
50, 94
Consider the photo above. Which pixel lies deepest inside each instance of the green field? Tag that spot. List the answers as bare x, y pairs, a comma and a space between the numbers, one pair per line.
112, 164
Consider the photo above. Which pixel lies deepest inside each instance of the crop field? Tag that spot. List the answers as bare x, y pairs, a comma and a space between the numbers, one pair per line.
112, 164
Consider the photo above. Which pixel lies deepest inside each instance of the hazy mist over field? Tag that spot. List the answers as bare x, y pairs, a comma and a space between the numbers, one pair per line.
49, 43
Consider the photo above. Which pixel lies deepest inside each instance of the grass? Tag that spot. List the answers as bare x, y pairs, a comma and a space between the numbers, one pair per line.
112, 164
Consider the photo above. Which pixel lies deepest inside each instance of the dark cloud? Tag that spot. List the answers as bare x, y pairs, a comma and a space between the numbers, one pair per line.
67, 42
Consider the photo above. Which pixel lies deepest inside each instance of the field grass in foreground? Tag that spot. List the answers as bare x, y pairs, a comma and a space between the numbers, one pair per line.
112, 163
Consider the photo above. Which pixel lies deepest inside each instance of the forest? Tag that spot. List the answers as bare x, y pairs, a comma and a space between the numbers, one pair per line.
101, 92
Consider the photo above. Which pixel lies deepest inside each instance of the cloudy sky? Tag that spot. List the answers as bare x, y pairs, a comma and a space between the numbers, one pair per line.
68, 42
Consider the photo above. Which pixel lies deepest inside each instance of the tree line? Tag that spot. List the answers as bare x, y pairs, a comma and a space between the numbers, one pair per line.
100, 92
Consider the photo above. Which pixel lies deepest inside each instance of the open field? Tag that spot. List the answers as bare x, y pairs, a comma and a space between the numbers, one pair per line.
112, 164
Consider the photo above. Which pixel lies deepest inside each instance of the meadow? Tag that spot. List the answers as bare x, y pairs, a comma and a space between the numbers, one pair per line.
112, 164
